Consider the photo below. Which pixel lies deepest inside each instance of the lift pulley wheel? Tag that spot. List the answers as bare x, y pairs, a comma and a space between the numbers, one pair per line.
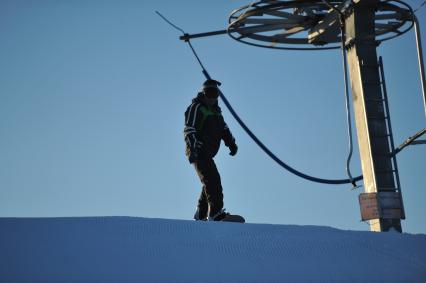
295, 24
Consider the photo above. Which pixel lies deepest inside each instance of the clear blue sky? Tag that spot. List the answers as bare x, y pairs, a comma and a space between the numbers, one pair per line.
92, 96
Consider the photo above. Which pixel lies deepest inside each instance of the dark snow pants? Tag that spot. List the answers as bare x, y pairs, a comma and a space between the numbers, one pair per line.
211, 193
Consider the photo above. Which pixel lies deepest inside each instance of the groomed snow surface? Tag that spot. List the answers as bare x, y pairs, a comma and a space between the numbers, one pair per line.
127, 249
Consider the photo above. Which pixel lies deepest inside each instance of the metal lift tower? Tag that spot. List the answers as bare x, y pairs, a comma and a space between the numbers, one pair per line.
357, 27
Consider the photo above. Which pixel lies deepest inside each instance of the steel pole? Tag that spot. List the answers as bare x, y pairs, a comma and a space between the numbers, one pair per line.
370, 117
420, 57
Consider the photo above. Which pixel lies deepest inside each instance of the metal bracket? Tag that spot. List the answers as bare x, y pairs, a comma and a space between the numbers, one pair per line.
411, 140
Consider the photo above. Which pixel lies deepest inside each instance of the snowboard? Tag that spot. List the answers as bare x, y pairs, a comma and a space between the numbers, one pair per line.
234, 218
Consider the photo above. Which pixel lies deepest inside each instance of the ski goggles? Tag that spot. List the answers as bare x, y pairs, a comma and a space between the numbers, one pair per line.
211, 92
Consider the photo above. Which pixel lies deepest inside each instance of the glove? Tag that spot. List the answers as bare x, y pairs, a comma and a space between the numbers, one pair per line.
233, 148
193, 157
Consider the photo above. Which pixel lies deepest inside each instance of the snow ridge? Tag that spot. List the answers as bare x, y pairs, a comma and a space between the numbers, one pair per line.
130, 249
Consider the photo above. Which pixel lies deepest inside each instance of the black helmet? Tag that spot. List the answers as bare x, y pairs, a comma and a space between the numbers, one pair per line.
211, 84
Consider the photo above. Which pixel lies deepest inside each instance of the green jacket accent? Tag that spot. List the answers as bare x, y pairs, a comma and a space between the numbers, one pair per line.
206, 111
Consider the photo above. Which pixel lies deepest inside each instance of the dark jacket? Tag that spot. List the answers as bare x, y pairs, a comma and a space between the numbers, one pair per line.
205, 128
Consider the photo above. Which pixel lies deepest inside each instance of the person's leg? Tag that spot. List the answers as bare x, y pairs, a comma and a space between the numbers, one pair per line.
202, 207
212, 187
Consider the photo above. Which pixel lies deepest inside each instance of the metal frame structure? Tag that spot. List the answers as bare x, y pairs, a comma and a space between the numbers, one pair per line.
359, 26
270, 24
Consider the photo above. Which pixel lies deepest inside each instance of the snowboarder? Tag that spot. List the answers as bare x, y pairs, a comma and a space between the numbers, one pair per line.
204, 130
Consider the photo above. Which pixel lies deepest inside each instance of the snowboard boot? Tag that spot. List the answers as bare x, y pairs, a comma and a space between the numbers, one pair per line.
222, 215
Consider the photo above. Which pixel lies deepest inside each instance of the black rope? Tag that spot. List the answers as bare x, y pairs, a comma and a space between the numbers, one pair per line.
254, 137
421, 6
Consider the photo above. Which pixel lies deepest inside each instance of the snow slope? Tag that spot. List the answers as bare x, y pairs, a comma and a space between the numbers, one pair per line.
126, 249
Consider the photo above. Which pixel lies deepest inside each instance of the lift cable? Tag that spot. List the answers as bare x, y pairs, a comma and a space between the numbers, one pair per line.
253, 136
347, 100
421, 6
